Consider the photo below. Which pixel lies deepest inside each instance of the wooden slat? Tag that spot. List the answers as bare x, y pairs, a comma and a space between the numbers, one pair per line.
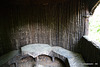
57, 24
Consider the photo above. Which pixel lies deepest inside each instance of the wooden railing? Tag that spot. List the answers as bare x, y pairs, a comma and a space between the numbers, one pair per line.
89, 50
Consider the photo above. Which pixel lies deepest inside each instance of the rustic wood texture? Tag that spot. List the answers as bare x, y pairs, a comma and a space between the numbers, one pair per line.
60, 24
90, 51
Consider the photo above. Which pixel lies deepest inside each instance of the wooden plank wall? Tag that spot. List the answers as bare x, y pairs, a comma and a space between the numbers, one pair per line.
59, 24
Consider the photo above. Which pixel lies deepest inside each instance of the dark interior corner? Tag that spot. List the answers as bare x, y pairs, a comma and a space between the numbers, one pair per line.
89, 50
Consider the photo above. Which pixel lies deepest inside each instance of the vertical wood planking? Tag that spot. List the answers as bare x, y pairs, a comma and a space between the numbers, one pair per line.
57, 24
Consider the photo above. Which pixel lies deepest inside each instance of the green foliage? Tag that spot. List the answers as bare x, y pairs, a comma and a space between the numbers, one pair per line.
98, 30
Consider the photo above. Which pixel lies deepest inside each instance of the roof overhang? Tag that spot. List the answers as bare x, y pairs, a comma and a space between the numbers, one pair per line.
92, 6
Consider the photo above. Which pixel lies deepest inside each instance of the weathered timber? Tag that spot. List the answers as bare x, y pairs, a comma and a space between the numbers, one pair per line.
58, 24
90, 51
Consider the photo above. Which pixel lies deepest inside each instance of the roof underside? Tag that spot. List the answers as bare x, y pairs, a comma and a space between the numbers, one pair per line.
92, 4
30, 2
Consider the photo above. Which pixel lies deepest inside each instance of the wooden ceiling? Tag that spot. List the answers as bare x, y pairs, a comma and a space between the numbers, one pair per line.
7, 3
36, 2
46, 1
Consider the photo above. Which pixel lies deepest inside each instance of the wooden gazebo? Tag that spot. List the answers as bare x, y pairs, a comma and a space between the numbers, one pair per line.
55, 22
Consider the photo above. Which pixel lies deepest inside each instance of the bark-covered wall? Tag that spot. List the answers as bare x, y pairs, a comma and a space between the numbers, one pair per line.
60, 24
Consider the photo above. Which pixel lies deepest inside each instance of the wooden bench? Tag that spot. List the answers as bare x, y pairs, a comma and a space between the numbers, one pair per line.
34, 50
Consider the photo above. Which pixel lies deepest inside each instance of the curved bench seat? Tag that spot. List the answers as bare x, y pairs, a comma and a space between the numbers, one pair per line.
34, 50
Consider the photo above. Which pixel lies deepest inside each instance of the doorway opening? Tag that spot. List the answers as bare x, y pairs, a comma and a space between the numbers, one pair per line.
94, 26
